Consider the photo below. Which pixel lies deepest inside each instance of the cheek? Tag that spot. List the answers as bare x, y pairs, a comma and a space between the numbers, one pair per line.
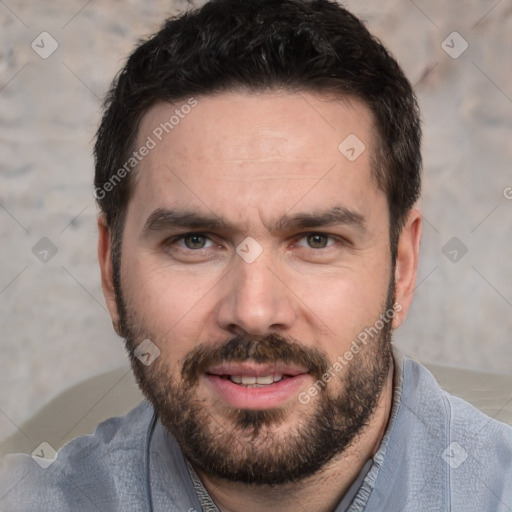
348, 300
170, 306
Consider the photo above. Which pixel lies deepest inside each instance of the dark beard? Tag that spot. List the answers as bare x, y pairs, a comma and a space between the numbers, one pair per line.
247, 447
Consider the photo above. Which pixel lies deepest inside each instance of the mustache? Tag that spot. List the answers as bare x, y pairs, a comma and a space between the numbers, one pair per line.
268, 349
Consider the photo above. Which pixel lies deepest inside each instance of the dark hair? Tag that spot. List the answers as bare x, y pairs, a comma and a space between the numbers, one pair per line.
314, 46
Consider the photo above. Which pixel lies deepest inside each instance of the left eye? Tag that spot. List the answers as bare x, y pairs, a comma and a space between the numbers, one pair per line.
316, 241
194, 241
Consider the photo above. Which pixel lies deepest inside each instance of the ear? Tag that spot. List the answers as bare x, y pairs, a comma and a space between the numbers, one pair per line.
407, 264
107, 273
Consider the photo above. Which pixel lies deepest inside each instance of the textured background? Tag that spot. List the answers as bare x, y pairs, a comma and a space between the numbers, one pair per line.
55, 330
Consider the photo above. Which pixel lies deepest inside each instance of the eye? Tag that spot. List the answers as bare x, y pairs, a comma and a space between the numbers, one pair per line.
193, 241
316, 241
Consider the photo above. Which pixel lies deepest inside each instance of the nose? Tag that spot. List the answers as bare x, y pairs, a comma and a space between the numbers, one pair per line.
255, 299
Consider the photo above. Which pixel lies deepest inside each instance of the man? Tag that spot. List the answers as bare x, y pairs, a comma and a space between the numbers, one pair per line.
257, 168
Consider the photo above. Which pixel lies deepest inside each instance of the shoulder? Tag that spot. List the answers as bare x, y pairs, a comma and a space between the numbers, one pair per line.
463, 420
472, 451
479, 455
88, 472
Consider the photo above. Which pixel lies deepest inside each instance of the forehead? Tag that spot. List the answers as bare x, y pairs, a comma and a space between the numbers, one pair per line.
266, 152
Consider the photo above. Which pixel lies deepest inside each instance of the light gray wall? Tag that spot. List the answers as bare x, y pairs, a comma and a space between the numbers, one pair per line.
55, 330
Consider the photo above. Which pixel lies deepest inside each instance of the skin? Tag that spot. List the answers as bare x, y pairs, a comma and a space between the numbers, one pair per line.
279, 158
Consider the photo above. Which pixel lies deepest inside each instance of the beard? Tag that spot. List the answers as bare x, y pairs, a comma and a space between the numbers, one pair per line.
256, 446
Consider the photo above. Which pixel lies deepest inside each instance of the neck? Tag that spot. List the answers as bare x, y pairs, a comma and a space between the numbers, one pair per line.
319, 493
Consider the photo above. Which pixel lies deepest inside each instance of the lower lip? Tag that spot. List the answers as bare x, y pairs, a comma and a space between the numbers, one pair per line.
242, 397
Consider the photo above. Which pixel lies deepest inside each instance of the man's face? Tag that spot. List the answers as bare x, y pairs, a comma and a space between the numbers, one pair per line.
246, 326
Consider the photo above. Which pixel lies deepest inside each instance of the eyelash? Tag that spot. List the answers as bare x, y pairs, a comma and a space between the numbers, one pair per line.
189, 235
302, 236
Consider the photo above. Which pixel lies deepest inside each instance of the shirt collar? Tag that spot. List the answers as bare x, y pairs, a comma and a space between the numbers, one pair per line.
368, 484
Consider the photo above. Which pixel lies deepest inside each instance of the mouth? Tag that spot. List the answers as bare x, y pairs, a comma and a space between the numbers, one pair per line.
255, 386
255, 382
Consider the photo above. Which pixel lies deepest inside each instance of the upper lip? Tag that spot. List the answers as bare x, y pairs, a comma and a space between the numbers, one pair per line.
255, 370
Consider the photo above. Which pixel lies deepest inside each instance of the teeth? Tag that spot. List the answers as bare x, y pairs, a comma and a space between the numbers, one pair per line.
268, 379
263, 380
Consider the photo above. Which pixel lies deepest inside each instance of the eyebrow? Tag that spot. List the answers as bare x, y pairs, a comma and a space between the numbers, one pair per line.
337, 215
163, 219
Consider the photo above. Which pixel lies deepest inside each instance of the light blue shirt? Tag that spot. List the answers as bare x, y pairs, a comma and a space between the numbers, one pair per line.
439, 453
